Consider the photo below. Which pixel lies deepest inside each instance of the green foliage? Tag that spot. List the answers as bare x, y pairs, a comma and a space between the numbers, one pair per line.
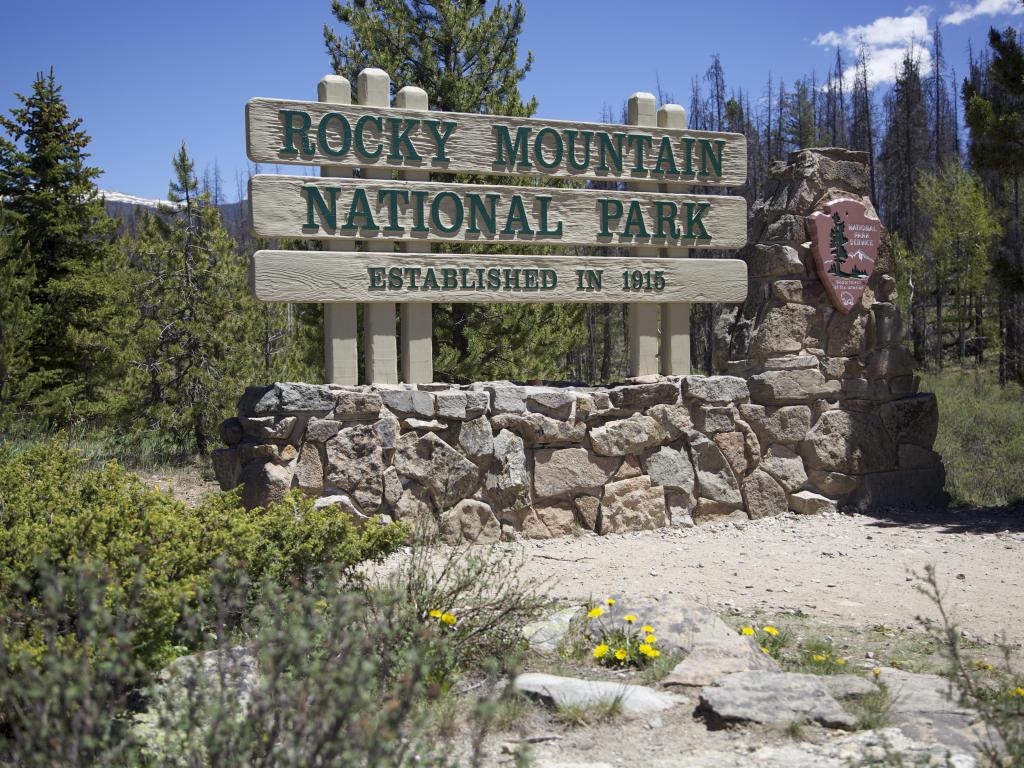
197, 329
981, 436
156, 554
64, 242
619, 640
18, 317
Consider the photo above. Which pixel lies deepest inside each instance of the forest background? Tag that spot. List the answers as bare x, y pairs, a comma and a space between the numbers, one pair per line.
137, 324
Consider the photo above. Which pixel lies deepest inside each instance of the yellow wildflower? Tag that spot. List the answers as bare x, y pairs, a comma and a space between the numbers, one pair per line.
647, 628
629, 618
819, 657
621, 654
747, 630
650, 639
771, 630
645, 649
609, 601
983, 665
1018, 692
764, 650
595, 612
841, 662
653, 653
449, 618
435, 614
876, 672
601, 651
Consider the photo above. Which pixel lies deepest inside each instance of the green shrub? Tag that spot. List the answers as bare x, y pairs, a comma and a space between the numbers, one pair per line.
981, 436
154, 553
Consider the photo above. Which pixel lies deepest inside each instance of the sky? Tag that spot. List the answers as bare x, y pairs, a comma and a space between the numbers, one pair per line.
145, 76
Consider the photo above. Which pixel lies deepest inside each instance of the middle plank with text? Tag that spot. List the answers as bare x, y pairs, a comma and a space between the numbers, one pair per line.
363, 209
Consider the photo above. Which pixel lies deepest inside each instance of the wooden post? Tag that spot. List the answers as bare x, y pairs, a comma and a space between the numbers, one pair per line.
416, 318
675, 317
643, 318
380, 347
341, 351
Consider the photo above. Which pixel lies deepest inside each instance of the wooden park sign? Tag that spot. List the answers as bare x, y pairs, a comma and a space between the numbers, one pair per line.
845, 245
391, 202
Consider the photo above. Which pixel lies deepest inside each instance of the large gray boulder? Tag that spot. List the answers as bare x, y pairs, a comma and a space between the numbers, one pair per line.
508, 480
627, 436
715, 478
558, 471
632, 505
355, 463
430, 461
772, 698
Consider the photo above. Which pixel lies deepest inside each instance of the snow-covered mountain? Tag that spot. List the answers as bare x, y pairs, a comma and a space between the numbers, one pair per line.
126, 208
859, 257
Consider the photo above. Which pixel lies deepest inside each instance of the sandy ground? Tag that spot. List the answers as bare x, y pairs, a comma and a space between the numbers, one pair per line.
854, 570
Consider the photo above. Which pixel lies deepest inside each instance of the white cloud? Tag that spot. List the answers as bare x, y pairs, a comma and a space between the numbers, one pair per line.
887, 40
966, 11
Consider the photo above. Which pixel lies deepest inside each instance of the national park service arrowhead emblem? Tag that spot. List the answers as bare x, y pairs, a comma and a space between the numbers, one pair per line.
845, 245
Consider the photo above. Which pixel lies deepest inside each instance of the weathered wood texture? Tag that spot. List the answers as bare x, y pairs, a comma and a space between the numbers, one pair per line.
318, 276
675, 318
280, 208
471, 146
643, 318
341, 331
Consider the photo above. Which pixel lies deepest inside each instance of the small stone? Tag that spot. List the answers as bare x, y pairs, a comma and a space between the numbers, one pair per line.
268, 427
833, 484
230, 431
710, 511
787, 387
343, 502
710, 419
477, 404
630, 467
674, 420
680, 508
295, 397
506, 398
508, 481
587, 509
537, 429
564, 692
632, 505
561, 471
431, 425
644, 395
784, 329
845, 687
762, 496
264, 483
627, 436
321, 430
783, 464
227, 467
773, 260
554, 403
557, 518
715, 477
355, 463
471, 521
476, 440
387, 430
847, 334
392, 486
671, 469
712, 659
810, 503
716, 389
451, 404
789, 424
357, 406
734, 447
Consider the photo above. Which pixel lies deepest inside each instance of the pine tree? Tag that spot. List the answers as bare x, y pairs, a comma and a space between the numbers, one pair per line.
837, 245
464, 53
18, 318
67, 235
195, 342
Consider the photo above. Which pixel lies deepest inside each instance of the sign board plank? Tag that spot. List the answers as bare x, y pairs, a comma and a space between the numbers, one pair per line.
405, 211
321, 276
309, 133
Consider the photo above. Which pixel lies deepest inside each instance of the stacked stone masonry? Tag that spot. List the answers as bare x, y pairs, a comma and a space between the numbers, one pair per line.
815, 410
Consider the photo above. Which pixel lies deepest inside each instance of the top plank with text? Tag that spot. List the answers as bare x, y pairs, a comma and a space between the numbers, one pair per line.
311, 133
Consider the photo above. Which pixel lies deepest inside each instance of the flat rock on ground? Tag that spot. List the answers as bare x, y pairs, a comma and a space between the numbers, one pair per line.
772, 698
712, 660
575, 692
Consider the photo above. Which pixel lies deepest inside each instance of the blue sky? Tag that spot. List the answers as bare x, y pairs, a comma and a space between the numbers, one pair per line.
144, 75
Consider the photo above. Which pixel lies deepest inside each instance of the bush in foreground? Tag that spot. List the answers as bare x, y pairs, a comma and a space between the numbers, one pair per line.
153, 554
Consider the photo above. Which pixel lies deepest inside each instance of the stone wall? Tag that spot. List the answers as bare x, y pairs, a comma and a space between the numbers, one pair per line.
816, 409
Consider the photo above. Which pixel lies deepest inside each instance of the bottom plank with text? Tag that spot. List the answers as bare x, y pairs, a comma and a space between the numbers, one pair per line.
317, 277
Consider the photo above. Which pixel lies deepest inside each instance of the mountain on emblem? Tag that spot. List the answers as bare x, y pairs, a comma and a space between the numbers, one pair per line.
845, 241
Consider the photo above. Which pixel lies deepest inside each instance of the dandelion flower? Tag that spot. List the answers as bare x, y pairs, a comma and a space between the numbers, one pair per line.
841, 662
764, 650
653, 653
601, 651
449, 619
747, 630
593, 613
650, 639
771, 630
983, 665
876, 672
621, 654
645, 649
1017, 692
647, 628
435, 614
629, 618
819, 657
609, 601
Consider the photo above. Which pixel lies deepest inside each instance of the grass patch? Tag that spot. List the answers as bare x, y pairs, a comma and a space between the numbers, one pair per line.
873, 710
576, 715
981, 436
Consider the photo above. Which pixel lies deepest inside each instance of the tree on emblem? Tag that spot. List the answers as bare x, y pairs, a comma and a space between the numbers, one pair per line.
837, 246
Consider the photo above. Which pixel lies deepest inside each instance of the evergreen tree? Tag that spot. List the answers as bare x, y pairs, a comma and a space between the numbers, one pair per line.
837, 245
18, 318
464, 53
67, 236
994, 112
195, 344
